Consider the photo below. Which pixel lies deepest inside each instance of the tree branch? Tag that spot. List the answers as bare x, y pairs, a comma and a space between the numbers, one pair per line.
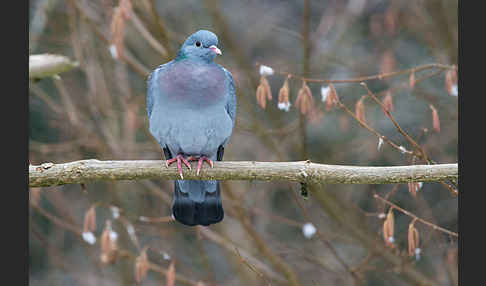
45, 65
49, 174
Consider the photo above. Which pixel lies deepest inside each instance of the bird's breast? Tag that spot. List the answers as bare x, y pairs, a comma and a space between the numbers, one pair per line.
196, 85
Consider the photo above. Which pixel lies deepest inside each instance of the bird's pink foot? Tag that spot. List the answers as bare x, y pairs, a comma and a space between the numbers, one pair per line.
179, 159
200, 160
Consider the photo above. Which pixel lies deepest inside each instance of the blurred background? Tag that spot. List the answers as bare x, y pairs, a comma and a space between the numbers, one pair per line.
271, 235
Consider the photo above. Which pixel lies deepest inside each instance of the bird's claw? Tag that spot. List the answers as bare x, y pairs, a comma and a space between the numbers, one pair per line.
179, 159
200, 160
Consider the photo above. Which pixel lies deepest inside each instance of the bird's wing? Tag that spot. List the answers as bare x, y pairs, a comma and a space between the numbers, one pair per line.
231, 99
152, 89
152, 84
230, 107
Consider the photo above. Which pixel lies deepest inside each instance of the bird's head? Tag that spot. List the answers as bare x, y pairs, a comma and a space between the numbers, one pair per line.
202, 45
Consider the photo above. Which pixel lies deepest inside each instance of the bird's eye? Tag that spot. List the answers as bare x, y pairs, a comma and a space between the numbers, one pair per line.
198, 44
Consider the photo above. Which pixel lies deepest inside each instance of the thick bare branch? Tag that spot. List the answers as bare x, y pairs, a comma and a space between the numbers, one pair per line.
85, 171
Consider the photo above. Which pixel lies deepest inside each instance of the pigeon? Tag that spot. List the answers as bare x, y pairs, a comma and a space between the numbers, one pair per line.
191, 107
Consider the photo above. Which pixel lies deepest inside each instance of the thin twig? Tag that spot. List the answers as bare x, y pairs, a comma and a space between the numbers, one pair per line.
156, 45
252, 268
367, 127
433, 226
53, 105
370, 77
57, 221
229, 246
400, 130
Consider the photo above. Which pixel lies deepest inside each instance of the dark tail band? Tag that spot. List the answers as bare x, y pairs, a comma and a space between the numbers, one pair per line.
197, 202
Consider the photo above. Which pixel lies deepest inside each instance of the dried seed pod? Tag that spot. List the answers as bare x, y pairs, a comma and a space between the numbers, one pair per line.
360, 110
331, 99
304, 99
126, 7
141, 266
388, 103
105, 237
268, 91
413, 239
411, 80
90, 220
263, 92
412, 188
435, 118
117, 34
283, 96
260, 96
307, 91
451, 82
122, 13
389, 228
132, 121
171, 274
380, 143
325, 90
109, 246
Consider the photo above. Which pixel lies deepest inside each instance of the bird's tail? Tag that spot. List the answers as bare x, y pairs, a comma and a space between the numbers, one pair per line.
197, 202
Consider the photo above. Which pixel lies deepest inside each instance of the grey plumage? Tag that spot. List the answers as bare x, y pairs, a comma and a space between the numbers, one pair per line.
191, 106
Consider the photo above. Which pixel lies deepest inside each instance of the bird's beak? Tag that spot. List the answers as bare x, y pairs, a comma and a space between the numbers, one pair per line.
215, 49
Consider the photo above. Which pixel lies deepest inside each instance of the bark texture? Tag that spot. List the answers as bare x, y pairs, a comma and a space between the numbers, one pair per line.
85, 171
